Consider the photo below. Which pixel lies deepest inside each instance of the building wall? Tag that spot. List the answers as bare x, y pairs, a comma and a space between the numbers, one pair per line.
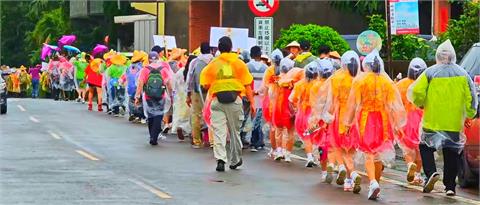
203, 15
238, 14
176, 21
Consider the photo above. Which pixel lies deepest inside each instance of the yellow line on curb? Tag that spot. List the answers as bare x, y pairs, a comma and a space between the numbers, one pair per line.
87, 155
54, 135
33, 119
406, 185
152, 189
21, 108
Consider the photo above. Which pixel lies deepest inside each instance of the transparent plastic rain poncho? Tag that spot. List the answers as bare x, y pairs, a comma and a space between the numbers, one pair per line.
270, 79
375, 104
331, 106
117, 94
283, 113
181, 111
153, 107
54, 73
67, 80
447, 94
410, 140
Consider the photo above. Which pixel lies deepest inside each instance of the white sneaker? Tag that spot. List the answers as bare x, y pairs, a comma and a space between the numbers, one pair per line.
428, 187
311, 163
412, 167
374, 190
161, 137
348, 185
342, 173
287, 157
356, 181
271, 153
279, 155
324, 177
450, 193
143, 121
329, 177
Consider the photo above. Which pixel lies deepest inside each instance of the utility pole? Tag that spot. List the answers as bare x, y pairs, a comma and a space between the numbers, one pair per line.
389, 37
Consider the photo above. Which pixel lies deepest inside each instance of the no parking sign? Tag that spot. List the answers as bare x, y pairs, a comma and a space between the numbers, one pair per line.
264, 8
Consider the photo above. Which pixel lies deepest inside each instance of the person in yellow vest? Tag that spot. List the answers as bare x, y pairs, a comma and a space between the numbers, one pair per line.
227, 79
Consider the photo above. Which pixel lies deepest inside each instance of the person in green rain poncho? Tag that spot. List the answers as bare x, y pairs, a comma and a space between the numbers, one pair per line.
115, 86
80, 64
305, 57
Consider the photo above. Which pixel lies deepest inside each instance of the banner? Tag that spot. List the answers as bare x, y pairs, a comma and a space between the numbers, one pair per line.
404, 17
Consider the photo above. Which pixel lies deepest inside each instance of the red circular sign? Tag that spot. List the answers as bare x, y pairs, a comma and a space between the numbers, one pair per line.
264, 8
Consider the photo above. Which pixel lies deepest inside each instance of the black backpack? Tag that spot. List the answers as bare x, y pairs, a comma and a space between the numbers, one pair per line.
154, 87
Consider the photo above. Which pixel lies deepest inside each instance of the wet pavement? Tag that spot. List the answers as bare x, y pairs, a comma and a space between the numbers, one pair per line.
59, 153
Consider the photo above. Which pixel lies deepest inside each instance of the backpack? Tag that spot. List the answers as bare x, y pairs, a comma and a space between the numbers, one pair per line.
154, 87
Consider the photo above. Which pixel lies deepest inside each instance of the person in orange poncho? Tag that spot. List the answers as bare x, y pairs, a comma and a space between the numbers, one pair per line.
375, 104
410, 141
343, 144
270, 79
300, 99
283, 114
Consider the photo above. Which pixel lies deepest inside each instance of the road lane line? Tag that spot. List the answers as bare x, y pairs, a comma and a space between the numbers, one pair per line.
33, 119
406, 185
87, 155
54, 135
152, 189
21, 108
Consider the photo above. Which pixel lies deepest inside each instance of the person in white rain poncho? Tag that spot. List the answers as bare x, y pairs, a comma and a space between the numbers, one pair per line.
447, 95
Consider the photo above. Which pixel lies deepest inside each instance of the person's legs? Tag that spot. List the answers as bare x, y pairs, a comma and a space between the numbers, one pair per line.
428, 160
378, 170
232, 111
90, 97
219, 127
99, 98
196, 119
35, 83
451, 159
370, 166
257, 133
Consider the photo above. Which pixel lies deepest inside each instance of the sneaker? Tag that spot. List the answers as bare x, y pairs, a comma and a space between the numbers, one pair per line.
153, 143
348, 185
161, 137
279, 155
77, 100
131, 118
310, 164
90, 107
166, 129
194, 146
235, 166
82, 101
430, 184
287, 157
342, 173
329, 177
323, 178
99, 108
143, 121
357, 180
417, 181
117, 115
450, 193
412, 167
271, 153
374, 190
253, 149
220, 166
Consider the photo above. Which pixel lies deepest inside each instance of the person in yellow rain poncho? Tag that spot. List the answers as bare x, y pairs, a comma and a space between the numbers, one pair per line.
305, 57
227, 79
14, 83
375, 104
343, 144
410, 141
25, 81
447, 95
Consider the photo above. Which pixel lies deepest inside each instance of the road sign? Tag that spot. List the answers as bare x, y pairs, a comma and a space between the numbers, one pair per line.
404, 17
264, 8
264, 33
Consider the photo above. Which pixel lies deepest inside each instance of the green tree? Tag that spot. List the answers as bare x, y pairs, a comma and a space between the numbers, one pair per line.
360, 6
315, 34
465, 31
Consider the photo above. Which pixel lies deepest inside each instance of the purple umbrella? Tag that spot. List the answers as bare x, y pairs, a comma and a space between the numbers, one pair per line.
99, 48
66, 40
47, 50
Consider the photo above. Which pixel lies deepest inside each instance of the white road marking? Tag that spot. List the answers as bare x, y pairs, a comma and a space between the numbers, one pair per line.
152, 189
87, 155
54, 135
33, 119
406, 185
21, 108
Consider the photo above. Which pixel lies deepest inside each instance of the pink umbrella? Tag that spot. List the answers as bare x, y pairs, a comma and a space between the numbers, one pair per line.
66, 40
47, 50
99, 48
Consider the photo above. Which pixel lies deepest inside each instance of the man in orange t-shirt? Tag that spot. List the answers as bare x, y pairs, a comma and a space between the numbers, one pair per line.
227, 79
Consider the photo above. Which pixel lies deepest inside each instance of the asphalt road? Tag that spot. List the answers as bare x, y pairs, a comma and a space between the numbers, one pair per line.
59, 153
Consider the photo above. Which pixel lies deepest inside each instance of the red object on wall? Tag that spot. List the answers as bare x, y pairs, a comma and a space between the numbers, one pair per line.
202, 17
271, 7
444, 17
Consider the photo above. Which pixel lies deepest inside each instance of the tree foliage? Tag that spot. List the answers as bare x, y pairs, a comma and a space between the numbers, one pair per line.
360, 6
465, 31
315, 34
